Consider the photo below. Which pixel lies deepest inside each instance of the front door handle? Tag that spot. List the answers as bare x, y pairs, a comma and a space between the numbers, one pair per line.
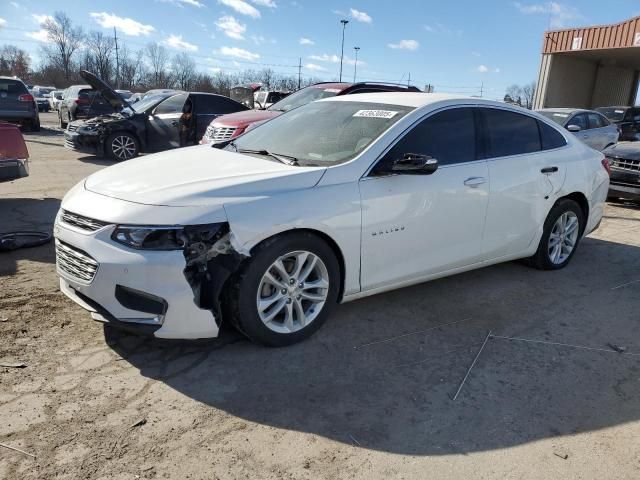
474, 181
549, 170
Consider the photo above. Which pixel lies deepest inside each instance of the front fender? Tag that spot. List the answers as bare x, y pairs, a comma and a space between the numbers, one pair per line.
333, 210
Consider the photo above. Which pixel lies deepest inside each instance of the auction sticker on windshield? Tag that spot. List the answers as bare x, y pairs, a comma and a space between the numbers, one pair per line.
375, 113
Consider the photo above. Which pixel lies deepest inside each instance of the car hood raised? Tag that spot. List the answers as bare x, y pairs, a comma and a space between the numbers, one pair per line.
247, 117
108, 93
199, 176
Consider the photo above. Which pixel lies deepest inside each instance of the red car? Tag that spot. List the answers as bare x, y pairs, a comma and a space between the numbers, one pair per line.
230, 126
14, 157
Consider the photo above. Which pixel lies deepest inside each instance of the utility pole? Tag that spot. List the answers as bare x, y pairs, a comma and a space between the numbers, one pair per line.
481, 89
115, 39
299, 72
409, 80
344, 25
355, 65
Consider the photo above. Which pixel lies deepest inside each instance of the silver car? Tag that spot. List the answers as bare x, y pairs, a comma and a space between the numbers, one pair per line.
591, 127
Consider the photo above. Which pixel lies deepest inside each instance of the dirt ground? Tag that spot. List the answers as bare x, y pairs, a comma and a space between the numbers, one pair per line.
369, 396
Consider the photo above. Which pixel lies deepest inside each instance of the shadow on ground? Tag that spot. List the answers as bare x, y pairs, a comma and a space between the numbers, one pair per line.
27, 214
396, 396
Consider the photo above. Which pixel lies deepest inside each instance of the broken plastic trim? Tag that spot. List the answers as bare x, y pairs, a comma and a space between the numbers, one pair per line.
210, 261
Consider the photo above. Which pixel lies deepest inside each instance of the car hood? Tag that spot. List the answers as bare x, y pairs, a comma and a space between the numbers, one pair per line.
199, 176
247, 117
109, 94
626, 150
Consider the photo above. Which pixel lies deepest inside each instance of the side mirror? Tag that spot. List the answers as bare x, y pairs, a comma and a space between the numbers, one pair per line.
573, 128
415, 164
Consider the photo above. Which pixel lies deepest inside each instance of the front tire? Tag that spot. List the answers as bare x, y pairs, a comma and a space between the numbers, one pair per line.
63, 124
122, 146
562, 232
286, 290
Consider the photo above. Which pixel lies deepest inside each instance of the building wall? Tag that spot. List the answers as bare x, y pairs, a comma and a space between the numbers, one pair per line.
569, 82
614, 86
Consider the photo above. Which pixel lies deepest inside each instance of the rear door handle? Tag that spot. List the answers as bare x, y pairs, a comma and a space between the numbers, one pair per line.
474, 181
549, 170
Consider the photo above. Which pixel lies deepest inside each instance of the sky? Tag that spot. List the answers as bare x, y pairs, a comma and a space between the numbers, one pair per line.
463, 46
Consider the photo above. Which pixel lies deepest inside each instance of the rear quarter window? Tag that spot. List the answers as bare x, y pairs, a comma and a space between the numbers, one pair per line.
550, 137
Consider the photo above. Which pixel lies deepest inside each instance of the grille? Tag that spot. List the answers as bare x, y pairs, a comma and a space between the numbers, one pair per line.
72, 128
83, 223
220, 134
69, 144
75, 262
623, 164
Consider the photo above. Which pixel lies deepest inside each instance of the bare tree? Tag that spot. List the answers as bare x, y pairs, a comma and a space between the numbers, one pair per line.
100, 50
158, 58
514, 94
65, 39
132, 71
528, 92
184, 72
14, 61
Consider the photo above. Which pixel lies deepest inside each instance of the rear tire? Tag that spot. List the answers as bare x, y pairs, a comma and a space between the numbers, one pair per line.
298, 306
561, 236
121, 146
35, 125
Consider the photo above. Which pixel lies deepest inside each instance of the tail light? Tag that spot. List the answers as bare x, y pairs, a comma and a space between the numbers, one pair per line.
81, 101
26, 97
606, 164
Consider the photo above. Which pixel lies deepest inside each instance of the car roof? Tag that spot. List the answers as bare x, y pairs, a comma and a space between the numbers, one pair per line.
407, 99
565, 110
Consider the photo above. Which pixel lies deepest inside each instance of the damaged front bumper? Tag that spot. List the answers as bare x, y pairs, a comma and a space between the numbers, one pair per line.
162, 293
83, 142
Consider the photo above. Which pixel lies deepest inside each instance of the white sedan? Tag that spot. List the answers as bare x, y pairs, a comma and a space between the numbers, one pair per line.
334, 201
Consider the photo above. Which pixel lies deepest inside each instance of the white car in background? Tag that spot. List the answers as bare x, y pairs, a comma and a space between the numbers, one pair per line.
55, 98
336, 200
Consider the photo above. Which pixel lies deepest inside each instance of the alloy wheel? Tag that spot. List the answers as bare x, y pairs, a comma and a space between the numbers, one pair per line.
293, 292
563, 237
123, 147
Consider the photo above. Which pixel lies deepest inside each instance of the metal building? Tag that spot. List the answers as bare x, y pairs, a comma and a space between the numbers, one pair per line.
590, 67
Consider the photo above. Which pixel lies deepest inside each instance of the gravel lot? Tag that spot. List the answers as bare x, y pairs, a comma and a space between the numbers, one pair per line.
124, 407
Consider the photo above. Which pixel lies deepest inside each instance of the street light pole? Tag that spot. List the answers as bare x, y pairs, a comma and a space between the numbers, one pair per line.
344, 25
355, 65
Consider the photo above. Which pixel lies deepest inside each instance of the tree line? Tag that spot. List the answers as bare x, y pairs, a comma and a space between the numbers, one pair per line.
70, 49
521, 95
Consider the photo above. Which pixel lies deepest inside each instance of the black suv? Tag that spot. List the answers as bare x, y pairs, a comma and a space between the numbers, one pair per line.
159, 122
17, 105
626, 118
82, 101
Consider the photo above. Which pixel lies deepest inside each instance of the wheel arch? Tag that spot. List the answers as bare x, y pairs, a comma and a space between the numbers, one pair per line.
581, 199
335, 248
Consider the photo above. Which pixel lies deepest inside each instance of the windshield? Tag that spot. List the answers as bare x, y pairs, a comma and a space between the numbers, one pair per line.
302, 97
613, 114
559, 117
145, 104
322, 133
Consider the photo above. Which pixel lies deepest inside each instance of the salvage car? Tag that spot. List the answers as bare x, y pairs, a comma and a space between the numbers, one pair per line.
14, 156
159, 122
82, 102
591, 127
336, 200
17, 105
624, 159
626, 118
234, 125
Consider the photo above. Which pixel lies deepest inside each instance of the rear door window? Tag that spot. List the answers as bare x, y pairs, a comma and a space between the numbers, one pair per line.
216, 104
510, 133
448, 136
595, 121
